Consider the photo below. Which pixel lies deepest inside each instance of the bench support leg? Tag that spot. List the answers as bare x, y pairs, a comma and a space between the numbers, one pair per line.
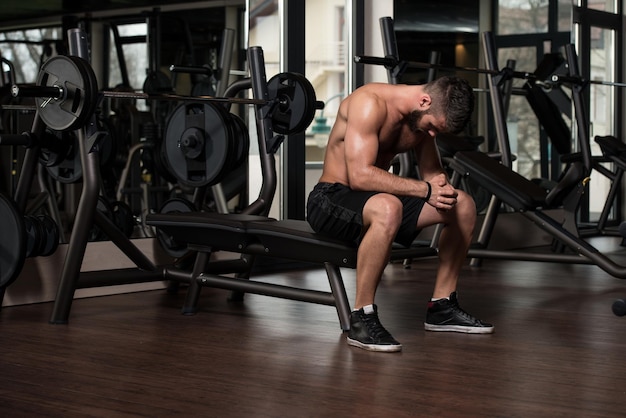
193, 293
238, 296
339, 293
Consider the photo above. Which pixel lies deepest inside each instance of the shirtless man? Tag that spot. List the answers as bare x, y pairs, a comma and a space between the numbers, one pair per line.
358, 199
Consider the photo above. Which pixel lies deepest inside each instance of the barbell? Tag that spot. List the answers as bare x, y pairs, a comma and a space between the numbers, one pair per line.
391, 62
66, 95
561, 79
555, 79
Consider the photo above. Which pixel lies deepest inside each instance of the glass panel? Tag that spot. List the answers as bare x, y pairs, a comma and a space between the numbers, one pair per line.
135, 57
264, 30
564, 16
522, 16
603, 5
522, 124
27, 49
326, 69
602, 104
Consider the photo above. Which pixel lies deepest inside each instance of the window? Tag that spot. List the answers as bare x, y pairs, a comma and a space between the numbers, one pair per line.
522, 16
28, 49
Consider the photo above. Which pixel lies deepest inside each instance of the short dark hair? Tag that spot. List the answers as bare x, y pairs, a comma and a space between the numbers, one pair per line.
455, 98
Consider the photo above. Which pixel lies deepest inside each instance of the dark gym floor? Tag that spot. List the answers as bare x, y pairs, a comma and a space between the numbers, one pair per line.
558, 351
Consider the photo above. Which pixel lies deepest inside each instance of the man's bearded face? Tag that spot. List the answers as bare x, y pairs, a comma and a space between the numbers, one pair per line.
415, 117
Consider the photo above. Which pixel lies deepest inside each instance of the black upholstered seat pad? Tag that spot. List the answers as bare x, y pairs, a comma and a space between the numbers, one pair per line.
226, 222
611, 146
293, 239
512, 188
215, 230
296, 239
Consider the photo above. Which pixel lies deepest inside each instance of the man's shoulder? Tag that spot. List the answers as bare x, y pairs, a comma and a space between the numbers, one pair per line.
375, 87
375, 94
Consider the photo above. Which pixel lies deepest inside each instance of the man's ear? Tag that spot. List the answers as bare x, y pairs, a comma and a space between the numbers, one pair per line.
425, 102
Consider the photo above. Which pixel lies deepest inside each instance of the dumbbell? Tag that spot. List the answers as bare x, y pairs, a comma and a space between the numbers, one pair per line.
23, 237
42, 235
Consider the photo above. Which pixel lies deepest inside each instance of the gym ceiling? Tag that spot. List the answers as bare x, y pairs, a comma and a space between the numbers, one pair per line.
13, 12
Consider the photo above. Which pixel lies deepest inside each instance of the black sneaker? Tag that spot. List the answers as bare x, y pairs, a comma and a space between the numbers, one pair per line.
368, 333
447, 315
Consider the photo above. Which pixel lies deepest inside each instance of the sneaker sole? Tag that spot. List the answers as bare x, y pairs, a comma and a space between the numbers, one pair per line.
384, 348
459, 328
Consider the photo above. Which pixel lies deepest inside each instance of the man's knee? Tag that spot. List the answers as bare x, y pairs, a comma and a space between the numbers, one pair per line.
384, 209
465, 207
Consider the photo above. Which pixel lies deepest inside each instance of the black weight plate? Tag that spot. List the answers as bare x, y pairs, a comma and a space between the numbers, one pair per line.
12, 241
41, 239
50, 238
76, 77
295, 109
242, 141
232, 146
34, 233
160, 162
206, 126
69, 170
169, 244
55, 146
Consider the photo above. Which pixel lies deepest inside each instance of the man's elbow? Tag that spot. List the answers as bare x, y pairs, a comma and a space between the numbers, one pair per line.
358, 181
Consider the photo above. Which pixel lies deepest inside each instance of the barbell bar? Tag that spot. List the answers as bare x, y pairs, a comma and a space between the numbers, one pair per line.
55, 92
182, 98
555, 79
66, 95
560, 79
390, 62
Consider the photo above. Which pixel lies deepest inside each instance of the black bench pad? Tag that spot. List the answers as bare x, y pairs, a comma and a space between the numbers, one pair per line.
611, 146
511, 187
292, 239
207, 229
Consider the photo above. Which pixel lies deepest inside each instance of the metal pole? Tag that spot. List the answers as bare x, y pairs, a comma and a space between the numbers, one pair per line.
264, 132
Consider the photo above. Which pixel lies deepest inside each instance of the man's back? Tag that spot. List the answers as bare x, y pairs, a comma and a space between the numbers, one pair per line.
371, 128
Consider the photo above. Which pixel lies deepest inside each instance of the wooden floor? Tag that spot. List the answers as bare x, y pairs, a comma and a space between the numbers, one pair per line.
558, 351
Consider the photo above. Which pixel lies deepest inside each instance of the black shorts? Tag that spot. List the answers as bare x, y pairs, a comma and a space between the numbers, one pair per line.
336, 210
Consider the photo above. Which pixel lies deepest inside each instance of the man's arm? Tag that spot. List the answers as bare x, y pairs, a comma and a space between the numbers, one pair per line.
428, 158
366, 116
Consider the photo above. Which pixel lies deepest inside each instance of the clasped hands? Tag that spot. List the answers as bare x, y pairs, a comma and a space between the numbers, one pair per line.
443, 196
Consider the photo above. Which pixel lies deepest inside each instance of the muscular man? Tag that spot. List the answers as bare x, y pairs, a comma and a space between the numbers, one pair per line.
358, 198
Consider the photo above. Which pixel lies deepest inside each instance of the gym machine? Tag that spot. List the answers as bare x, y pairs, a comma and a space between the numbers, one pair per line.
527, 197
66, 96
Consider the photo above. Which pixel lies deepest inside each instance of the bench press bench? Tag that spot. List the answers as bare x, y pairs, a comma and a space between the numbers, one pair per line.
255, 235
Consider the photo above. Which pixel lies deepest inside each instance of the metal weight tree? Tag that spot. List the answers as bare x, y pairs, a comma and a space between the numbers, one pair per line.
87, 215
286, 104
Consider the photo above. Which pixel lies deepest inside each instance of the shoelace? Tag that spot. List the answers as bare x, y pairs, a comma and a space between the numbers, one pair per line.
460, 311
374, 326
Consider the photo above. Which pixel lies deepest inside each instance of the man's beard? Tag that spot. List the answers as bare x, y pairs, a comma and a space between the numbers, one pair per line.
414, 119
